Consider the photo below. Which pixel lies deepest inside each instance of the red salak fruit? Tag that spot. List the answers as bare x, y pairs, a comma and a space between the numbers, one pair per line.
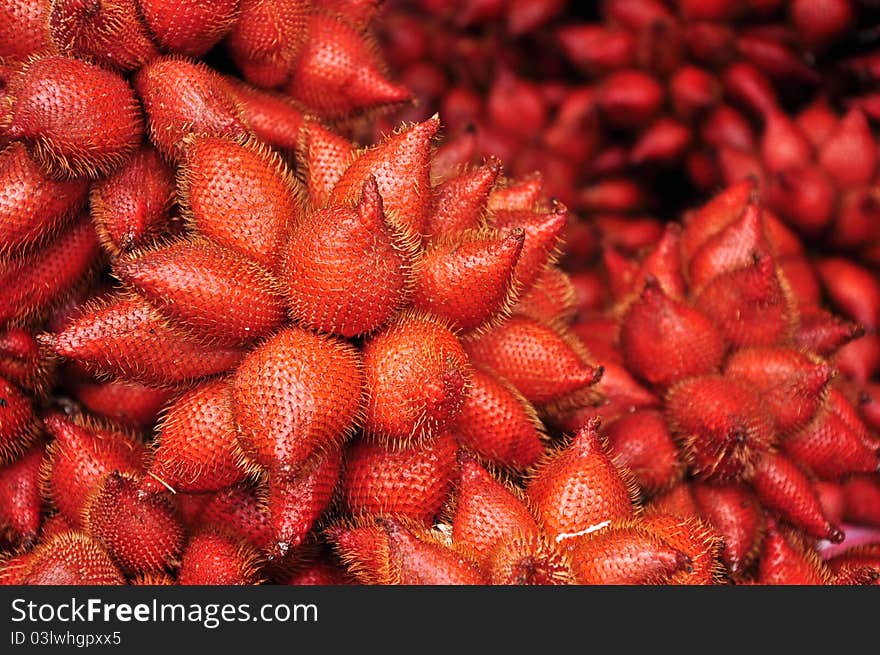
387, 550
642, 442
295, 394
130, 208
14, 567
216, 293
273, 117
459, 203
831, 449
36, 282
663, 340
401, 166
189, 27
297, 500
184, 97
346, 270
417, 377
721, 424
56, 105
498, 423
214, 557
413, 482
266, 39
320, 570
20, 501
470, 280
338, 72
32, 205
240, 510
19, 425
691, 536
71, 558
579, 489
750, 306
125, 336
239, 194
81, 455
127, 403
22, 362
487, 512
197, 449
516, 195
787, 563
552, 299
790, 382
140, 530
323, 157
736, 514
27, 28
625, 553
530, 559
543, 230
110, 33
545, 365
783, 487
853, 289
848, 154
861, 498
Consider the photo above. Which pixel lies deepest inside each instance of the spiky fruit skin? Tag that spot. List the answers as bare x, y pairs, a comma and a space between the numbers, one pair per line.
130, 208
127, 403
197, 446
722, 424
80, 457
642, 442
499, 424
110, 33
29, 18
18, 423
346, 270
400, 165
297, 501
53, 106
189, 28
663, 340
215, 558
487, 513
21, 505
417, 374
625, 554
469, 281
273, 117
215, 292
140, 531
578, 489
296, 393
267, 38
387, 550
337, 74
530, 559
201, 104
42, 280
240, 195
32, 205
240, 510
413, 482
71, 558
535, 358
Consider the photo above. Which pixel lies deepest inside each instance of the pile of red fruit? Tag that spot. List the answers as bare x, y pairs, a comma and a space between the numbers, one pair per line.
238, 347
